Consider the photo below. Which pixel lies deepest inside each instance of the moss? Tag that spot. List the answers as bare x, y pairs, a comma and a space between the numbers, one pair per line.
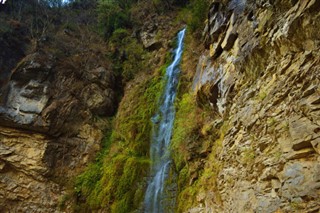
63, 200
262, 95
277, 155
248, 155
128, 55
206, 180
297, 206
186, 197
115, 181
184, 127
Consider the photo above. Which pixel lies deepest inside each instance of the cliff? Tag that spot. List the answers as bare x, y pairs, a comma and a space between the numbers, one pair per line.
55, 83
76, 106
256, 148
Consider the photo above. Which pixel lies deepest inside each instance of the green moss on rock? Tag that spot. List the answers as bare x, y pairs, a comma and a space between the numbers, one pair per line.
115, 181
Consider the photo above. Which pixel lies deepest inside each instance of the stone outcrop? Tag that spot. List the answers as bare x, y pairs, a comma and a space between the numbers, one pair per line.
156, 31
49, 129
262, 74
23, 184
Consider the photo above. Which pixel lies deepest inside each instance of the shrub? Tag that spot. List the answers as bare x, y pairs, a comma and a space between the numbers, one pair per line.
113, 15
195, 15
128, 55
199, 10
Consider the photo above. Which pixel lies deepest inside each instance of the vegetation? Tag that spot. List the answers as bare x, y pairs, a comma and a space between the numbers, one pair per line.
189, 186
113, 15
115, 181
195, 137
128, 56
195, 14
185, 128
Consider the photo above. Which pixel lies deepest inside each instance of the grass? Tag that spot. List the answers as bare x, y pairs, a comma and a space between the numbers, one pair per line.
184, 127
207, 177
128, 55
113, 181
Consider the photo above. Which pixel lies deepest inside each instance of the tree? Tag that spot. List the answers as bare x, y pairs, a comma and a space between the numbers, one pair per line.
113, 15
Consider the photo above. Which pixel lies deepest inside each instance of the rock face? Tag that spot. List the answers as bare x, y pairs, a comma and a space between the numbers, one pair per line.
262, 74
47, 127
23, 184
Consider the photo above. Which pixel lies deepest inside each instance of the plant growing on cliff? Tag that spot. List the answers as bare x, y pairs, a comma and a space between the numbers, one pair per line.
113, 15
114, 182
184, 127
195, 14
128, 55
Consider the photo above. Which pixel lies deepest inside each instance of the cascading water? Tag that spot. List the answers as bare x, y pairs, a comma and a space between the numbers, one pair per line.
162, 125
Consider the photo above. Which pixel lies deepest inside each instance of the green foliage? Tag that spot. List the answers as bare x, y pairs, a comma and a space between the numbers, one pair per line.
87, 181
128, 55
195, 15
199, 11
184, 128
119, 35
113, 15
134, 61
63, 200
183, 177
206, 177
262, 95
114, 181
248, 155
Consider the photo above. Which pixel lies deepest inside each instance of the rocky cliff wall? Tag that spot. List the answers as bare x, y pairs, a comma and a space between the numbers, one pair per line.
254, 100
57, 96
260, 75
51, 111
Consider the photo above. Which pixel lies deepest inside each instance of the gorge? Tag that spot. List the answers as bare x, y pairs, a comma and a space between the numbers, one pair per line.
108, 106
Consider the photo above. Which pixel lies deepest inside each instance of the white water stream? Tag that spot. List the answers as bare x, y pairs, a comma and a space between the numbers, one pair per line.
163, 124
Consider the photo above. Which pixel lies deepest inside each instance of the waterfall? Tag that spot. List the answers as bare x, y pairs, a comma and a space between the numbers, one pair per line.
162, 125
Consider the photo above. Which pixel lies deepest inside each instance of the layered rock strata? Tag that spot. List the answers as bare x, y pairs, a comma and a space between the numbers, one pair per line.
262, 74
